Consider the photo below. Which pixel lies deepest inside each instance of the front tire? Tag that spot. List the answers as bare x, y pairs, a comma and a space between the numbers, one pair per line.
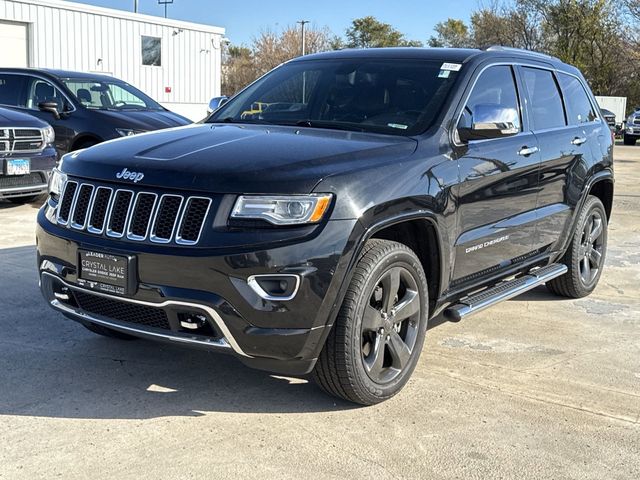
377, 338
585, 256
629, 140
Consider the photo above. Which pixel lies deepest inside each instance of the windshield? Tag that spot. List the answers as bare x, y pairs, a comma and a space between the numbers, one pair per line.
107, 95
386, 96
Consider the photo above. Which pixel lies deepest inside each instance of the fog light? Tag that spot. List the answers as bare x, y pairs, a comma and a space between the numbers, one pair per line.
192, 321
277, 287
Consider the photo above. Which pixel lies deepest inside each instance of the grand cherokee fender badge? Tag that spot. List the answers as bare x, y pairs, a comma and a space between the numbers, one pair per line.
125, 174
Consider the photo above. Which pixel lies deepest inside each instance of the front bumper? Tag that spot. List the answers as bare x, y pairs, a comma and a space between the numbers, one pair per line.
26, 185
279, 336
632, 131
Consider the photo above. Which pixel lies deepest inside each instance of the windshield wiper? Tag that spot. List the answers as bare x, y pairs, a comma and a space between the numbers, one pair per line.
237, 120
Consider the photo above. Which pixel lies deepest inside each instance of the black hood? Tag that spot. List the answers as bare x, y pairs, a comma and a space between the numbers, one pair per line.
143, 119
237, 158
11, 118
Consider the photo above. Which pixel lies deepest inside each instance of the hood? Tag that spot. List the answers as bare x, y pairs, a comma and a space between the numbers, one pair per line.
143, 119
11, 118
237, 158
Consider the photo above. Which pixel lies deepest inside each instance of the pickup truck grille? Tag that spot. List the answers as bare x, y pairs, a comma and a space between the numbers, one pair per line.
137, 216
21, 140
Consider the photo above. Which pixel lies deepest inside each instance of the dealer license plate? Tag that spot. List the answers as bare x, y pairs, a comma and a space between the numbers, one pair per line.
104, 272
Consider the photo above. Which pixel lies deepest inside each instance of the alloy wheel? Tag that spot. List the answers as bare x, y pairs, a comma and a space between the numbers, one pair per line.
591, 248
390, 325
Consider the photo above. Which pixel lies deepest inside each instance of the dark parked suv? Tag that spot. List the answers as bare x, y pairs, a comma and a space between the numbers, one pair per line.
27, 156
83, 108
373, 190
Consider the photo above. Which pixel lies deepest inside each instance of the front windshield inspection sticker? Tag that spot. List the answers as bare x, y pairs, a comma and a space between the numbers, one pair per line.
444, 74
398, 125
454, 67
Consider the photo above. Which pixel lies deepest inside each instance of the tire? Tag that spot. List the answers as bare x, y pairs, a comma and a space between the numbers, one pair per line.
373, 346
586, 254
629, 140
108, 332
85, 144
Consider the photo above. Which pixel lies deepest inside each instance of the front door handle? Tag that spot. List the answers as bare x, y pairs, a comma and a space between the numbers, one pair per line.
578, 140
526, 151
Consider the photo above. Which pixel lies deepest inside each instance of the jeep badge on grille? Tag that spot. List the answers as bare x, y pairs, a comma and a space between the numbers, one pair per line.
125, 174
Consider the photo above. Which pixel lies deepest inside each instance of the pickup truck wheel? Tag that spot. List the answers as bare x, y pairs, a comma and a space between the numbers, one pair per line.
107, 332
629, 140
586, 253
376, 340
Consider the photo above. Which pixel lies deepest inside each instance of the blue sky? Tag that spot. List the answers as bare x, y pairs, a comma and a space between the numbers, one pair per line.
244, 18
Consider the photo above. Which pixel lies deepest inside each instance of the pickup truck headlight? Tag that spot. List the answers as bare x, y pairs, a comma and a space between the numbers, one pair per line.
282, 209
49, 135
56, 183
128, 132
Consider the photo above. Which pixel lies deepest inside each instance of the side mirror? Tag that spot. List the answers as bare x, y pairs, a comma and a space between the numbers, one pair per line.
51, 107
216, 102
491, 121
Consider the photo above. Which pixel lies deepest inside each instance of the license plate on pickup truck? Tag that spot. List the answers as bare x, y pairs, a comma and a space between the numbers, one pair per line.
18, 166
105, 272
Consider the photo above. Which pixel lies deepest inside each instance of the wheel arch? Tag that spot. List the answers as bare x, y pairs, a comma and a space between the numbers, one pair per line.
82, 138
603, 189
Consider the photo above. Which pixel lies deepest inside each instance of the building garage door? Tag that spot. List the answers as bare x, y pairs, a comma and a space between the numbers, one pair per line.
13, 38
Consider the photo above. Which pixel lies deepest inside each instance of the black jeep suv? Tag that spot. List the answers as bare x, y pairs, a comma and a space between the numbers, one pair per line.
373, 190
27, 156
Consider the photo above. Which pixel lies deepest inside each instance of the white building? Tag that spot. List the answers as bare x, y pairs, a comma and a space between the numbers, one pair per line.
176, 63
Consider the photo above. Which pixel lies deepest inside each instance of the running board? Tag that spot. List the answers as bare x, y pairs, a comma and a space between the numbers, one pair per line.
503, 291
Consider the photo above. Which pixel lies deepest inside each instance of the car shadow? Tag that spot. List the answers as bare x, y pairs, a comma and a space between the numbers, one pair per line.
53, 367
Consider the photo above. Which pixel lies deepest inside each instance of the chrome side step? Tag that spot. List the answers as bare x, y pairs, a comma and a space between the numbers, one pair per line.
503, 291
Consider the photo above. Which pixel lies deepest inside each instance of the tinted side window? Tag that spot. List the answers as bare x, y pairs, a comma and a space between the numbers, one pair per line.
579, 108
545, 103
12, 90
494, 87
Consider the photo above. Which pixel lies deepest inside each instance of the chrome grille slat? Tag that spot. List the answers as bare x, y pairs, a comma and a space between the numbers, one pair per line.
138, 216
99, 210
21, 140
190, 240
138, 210
121, 208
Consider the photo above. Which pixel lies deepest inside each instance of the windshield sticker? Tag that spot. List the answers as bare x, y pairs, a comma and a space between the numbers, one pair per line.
444, 74
398, 125
454, 67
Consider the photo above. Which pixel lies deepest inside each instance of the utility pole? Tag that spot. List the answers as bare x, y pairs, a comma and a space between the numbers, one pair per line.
165, 3
302, 24
135, 6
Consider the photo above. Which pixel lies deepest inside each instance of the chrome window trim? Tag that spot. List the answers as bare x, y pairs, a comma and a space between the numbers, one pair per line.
130, 235
454, 125
90, 227
111, 233
152, 235
179, 239
217, 319
82, 226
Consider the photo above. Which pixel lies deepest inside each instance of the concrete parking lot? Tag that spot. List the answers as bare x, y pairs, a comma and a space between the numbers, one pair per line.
537, 387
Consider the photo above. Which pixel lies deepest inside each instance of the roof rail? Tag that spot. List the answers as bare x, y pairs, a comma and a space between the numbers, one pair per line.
497, 48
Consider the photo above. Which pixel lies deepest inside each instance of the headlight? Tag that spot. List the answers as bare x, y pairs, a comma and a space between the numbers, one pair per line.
56, 183
281, 209
128, 132
49, 135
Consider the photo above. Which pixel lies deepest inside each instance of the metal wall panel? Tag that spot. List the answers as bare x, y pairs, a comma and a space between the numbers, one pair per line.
80, 37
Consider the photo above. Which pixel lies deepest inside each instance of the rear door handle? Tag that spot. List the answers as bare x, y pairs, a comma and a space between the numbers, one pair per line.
578, 140
526, 151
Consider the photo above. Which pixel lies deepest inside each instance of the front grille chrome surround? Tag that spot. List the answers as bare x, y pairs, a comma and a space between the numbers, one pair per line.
134, 215
21, 140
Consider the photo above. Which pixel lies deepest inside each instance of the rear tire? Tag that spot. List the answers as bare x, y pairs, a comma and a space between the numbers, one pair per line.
629, 140
586, 254
108, 332
377, 337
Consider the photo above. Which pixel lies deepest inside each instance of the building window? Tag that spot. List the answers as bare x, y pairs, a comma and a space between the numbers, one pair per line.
151, 51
